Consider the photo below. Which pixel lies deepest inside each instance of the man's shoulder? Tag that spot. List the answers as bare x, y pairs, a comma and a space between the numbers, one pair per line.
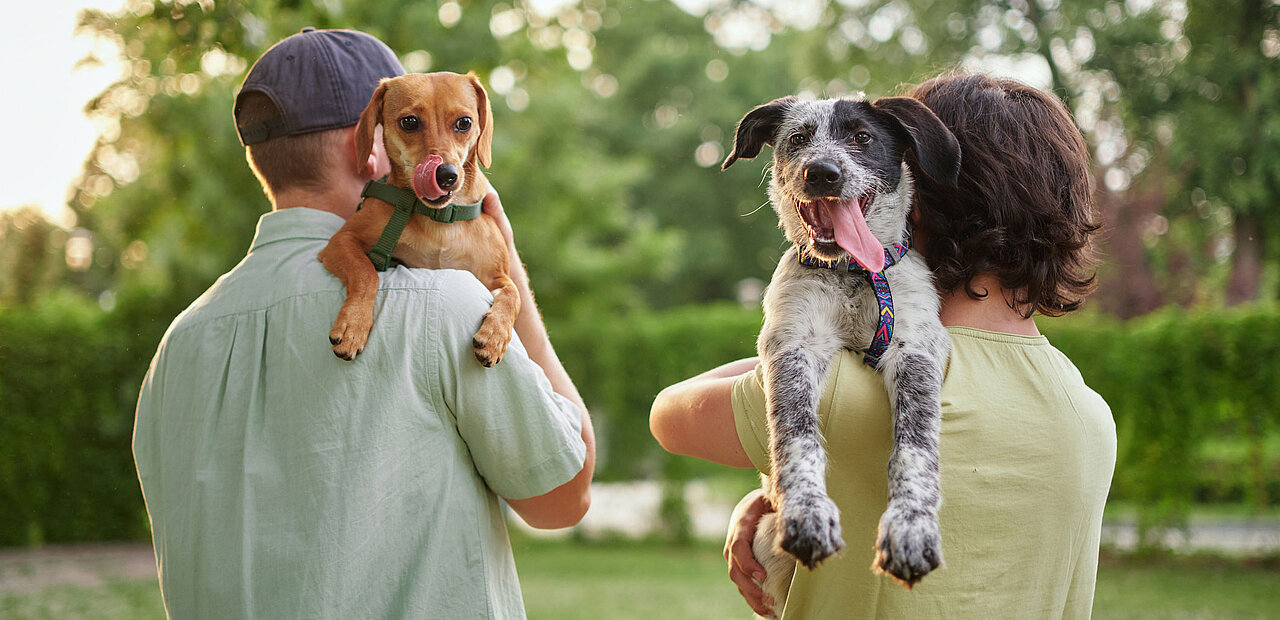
453, 300
304, 287
450, 283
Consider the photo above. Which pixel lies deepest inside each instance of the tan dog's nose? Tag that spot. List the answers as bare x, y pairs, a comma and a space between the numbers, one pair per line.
447, 176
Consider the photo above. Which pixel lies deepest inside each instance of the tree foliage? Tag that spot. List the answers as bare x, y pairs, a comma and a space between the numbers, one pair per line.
611, 117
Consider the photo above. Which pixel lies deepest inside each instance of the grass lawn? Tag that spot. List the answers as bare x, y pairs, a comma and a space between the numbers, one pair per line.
1186, 589
623, 580
120, 600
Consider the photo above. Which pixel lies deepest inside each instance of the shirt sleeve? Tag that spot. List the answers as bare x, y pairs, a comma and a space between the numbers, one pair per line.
524, 438
751, 418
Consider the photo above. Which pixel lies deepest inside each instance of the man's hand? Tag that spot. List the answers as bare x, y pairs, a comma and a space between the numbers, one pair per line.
566, 504
492, 206
744, 570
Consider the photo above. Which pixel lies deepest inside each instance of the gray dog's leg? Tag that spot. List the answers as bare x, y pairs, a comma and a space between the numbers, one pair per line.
796, 361
909, 544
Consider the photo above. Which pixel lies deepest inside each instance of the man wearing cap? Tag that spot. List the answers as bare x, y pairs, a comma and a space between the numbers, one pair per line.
283, 482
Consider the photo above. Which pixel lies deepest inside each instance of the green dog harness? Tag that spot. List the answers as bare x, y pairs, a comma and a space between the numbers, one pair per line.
407, 204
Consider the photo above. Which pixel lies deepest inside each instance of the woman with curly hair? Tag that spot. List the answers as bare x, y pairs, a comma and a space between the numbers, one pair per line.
1027, 449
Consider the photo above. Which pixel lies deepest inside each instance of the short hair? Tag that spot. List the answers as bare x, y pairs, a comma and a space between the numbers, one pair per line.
289, 162
1023, 209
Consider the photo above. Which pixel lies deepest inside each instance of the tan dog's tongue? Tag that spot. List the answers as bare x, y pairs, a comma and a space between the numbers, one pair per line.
424, 178
853, 235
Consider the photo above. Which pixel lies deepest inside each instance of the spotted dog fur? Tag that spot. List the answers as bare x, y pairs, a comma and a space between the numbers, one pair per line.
811, 313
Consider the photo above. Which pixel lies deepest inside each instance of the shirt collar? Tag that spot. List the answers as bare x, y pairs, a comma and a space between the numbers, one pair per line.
295, 223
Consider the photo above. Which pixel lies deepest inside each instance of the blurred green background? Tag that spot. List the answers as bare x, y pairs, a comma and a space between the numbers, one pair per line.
611, 120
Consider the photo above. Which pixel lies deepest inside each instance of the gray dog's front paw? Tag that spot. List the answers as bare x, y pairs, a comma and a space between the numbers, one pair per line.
909, 545
811, 529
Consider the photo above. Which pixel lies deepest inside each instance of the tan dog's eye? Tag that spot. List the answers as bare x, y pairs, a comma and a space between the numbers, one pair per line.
462, 125
410, 123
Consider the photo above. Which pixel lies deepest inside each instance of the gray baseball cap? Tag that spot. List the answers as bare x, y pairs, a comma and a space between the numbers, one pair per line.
318, 79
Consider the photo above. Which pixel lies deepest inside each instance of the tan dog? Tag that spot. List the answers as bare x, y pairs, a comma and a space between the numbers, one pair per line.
438, 132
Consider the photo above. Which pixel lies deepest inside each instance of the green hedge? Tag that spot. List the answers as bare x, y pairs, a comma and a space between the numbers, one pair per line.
68, 382
620, 365
1195, 397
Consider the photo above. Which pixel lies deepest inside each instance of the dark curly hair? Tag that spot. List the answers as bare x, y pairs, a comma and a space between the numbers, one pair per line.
1023, 210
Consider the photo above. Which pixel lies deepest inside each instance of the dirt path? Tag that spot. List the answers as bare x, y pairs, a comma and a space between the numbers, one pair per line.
78, 565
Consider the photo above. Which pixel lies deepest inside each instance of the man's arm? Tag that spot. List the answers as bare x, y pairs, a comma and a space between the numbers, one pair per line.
566, 504
695, 417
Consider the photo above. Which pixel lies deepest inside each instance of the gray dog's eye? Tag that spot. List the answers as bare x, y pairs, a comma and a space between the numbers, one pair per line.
798, 138
862, 137
409, 123
463, 124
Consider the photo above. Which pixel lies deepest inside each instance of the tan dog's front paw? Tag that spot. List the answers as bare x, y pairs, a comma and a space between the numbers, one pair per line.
491, 341
350, 333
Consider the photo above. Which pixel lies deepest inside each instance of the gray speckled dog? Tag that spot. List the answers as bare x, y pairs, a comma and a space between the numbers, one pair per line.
843, 191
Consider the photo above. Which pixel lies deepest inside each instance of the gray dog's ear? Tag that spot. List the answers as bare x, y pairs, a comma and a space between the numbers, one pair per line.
756, 130
935, 147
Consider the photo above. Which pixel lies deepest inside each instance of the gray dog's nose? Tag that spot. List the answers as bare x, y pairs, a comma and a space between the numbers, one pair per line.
822, 177
447, 176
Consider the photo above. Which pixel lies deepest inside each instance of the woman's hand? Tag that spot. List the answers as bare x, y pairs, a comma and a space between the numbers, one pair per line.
744, 570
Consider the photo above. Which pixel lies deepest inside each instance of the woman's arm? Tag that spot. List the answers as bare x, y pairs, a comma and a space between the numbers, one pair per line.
695, 417
744, 570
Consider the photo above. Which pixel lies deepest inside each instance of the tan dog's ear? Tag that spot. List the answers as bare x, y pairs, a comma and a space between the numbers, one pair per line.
370, 118
484, 148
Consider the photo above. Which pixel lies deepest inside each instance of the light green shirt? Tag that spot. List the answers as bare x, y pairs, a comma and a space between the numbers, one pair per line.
1027, 452
283, 482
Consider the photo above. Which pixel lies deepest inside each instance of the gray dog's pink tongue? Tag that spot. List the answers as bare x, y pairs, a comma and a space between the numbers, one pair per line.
424, 178
853, 235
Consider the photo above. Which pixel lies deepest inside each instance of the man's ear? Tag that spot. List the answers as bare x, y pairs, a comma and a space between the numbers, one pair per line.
484, 148
935, 147
370, 118
756, 129
365, 169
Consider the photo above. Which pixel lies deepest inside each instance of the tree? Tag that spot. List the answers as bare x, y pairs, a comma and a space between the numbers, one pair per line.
171, 179
29, 247
611, 119
1228, 134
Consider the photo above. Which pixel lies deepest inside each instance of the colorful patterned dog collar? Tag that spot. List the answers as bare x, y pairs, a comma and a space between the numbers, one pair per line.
884, 297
